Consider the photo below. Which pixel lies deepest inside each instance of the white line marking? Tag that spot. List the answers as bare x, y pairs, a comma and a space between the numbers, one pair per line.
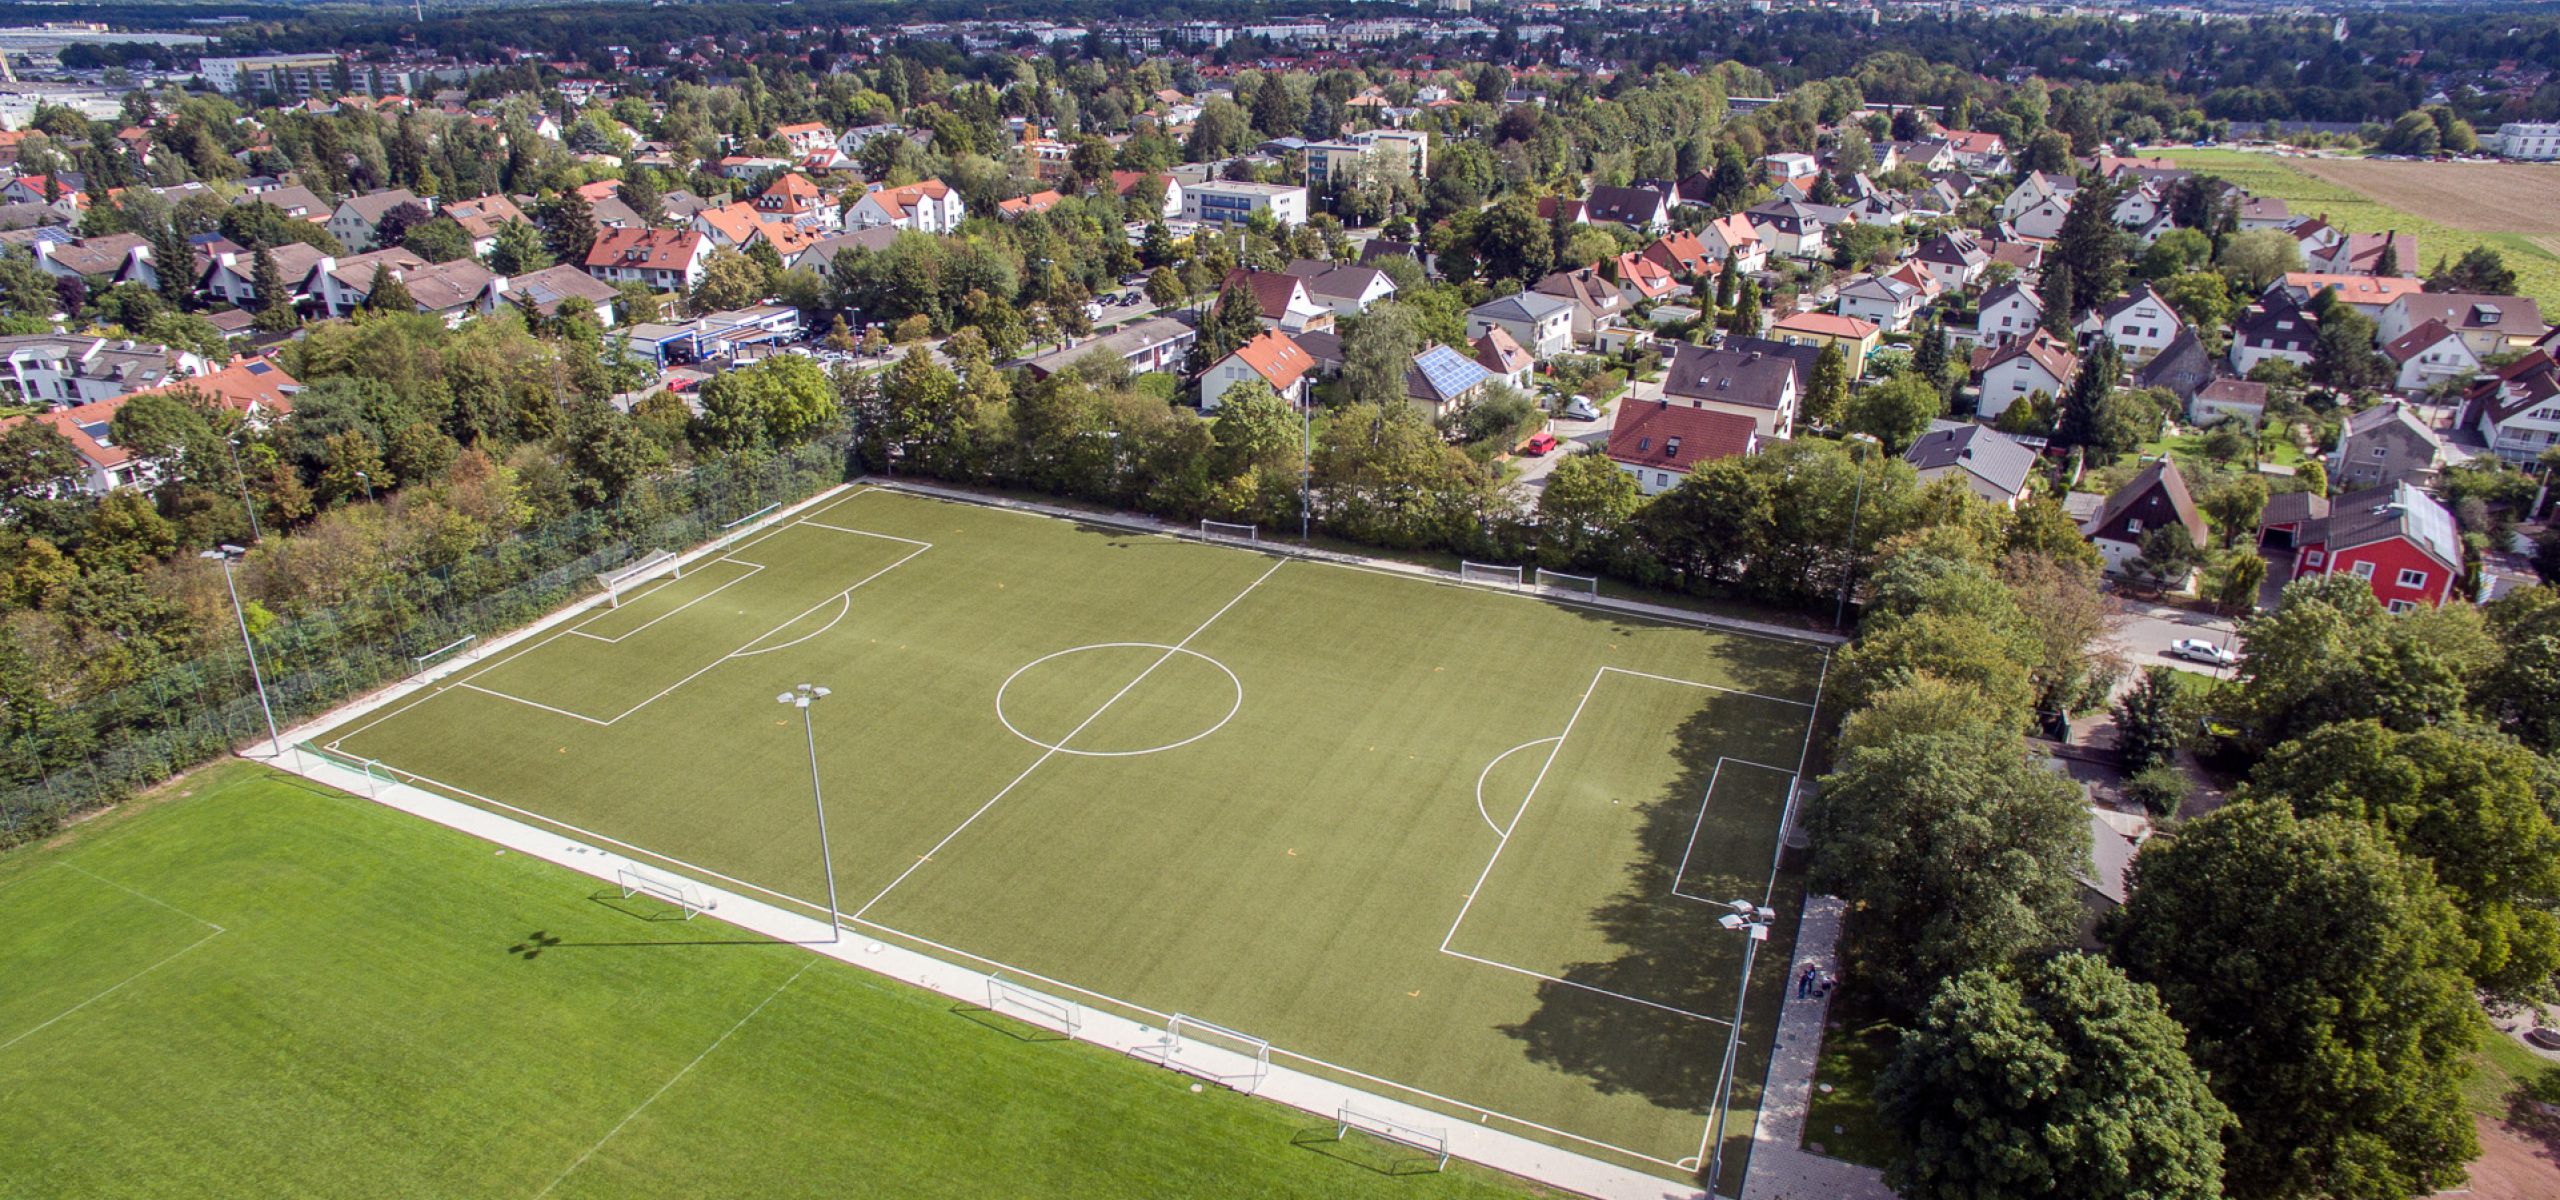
218, 931
580, 629
674, 1079
1713, 687
1701, 823
1525, 801
1481, 776
1054, 750
1588, 988
843, 610
890, 537
140, 895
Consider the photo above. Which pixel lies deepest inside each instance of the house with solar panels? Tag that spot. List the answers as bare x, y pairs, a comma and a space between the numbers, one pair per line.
1443, 382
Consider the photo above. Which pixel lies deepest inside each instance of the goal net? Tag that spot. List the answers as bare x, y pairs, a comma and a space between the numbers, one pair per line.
620, 581
1434, 1142
1558, 581
421, 664
1215, 1053
683, 894
1040, 1008
1231, 530
1488, 573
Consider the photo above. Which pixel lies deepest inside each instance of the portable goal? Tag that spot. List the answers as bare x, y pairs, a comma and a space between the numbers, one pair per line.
1434, 1142
421, 664
1558, 581
619, 582
1215, 1053
1231, 530
1040, 1008
1489, 574
681, 893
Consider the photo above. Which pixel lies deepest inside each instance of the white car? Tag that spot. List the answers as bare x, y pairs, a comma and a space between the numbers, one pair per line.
2200, 650
1580, 408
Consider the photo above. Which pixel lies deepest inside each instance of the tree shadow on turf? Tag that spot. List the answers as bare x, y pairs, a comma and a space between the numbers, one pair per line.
1673, 952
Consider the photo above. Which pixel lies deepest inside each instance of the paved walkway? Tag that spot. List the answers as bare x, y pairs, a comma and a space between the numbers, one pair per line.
1781, 1169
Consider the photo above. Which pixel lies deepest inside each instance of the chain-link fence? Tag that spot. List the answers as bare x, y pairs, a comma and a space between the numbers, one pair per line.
108, 746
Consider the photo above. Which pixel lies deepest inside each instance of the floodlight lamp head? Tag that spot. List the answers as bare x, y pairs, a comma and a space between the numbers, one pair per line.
1741, 906
1767, 914
1759, 933
228, 548
787, 697
819, 691
1729, 921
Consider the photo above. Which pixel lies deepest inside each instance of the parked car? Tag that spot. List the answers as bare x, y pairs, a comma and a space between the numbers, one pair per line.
1539, 445
1580, 408
2200, 650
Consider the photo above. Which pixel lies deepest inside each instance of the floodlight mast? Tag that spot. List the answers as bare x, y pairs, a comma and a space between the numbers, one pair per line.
802, 697
228, 553
1754, 920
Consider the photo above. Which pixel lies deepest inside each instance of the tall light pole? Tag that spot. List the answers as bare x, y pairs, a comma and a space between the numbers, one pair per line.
1849, 565
1306, 469
1753, 921
802, 697
228, 553
231, 451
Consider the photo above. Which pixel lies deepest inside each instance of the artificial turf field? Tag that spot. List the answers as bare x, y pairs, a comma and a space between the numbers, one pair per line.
1455, 842
255, 986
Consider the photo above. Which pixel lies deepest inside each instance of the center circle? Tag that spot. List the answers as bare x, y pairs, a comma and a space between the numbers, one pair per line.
1081, 689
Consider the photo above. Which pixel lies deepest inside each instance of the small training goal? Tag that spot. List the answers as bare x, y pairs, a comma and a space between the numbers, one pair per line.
421, 664
1434, 1142
620, 581
1040, 1008
1489, 574
1558, 581
681, 893
1230, 530
1216, 1053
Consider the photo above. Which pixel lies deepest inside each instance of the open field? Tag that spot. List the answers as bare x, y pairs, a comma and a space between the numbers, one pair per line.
2451, 207
254, 986
1456, 844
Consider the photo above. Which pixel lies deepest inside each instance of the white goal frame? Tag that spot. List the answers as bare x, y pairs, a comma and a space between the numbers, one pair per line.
650, 566
1434, 1142
1038, 1007
1216, 1053
1231, 530
1559, 581
680, 893
420, 664
1489, 574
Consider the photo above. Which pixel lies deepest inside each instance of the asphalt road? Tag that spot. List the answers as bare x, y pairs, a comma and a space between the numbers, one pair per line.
2149, 629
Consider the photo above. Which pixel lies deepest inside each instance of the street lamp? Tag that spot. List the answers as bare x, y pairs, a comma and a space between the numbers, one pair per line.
802, 697
228, 553
1754, 921
367, 482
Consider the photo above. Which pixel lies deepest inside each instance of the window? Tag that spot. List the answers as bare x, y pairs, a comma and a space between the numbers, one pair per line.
2412, 578
2315, 558
2364, 571
2133, 525
2401, 606
1661, 480
2381, 451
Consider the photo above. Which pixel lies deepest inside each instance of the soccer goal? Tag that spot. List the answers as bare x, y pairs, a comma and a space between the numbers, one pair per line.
1434, 1142
681, 893
1231, 530
1040, 1008
619, 581
421, 664
1490, 574
1215, 1053
1558, 581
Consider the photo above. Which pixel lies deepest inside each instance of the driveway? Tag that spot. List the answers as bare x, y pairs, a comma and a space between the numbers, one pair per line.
2149, 629
1574, 437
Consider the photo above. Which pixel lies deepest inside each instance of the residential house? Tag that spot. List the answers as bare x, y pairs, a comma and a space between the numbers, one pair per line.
1955, 259
1734, 235
232, 277
2488, 324
2007, 311
1641, 279
1501, 356
1684, 256
1348, 290
1997, 468
1882, 300
2396, 538
2367, 254
2013, 370
1979, 152
2141, 324
2264, 212
1759, 386
2228, 399
2034, 192
358, 219
1280, 301
807, 137
1788, 227
1270, 357
1018, 207
337, 286
2273, 329
1225, 202
89, 429
2182, 370
550, 288
1442, 382
1127, 184
1540, 323
2516, 408
2367, 294
1857, 338
1659, 442
666, 260
792, 198
2429, 354
1564, 208
2384, 445
928, 207
1595, 301
115, 256
2043, 219
2155, 498
72, 369
1641, 209
1154, 344
821, 254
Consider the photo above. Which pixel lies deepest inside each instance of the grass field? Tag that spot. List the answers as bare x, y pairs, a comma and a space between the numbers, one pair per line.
1454, 841
2447, 229
254, 986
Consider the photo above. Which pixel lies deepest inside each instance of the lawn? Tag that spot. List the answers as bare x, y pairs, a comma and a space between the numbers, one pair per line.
1843, 1119
250, 985
2500, 1070
2531, 255
1453, 841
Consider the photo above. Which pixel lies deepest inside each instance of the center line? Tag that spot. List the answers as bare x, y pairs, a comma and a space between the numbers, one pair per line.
1053, 750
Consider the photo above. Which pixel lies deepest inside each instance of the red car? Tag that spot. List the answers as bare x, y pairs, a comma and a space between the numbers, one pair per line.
1539, 445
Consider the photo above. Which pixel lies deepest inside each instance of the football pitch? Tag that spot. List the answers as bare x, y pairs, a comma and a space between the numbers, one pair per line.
1464, 847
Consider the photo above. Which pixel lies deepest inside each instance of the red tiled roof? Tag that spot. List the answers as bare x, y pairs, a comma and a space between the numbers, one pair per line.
1278, 360
1657, 435
658, 249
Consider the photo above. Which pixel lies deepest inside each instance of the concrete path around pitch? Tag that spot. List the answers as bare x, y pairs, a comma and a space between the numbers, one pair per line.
1781, 1168
1314, 1094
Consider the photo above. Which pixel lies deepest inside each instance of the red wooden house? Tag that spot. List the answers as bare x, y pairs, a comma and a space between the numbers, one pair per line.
2398, 539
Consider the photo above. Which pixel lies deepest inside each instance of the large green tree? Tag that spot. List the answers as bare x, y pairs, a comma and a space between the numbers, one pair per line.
2320, 978
2064, 1081
2330, 653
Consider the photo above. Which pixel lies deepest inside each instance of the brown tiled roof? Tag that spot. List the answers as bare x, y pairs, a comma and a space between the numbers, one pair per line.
1659, 435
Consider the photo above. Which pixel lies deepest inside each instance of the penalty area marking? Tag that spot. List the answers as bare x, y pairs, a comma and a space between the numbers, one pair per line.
1060, 746
1499, 830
